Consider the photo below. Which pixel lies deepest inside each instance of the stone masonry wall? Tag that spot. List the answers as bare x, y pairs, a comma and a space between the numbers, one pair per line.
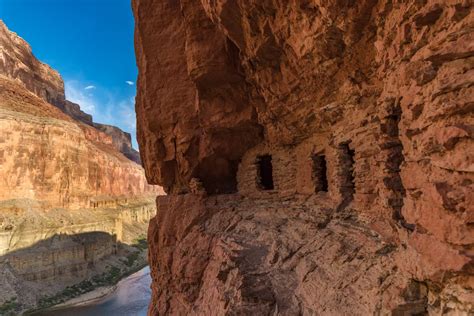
382, 89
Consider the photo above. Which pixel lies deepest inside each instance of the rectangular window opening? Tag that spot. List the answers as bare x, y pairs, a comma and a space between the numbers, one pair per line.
265, 172
348, 181
320, 177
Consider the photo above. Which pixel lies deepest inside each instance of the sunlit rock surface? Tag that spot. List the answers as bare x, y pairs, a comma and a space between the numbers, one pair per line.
122, 141
47, 156
17, 62
361, 112
74, 203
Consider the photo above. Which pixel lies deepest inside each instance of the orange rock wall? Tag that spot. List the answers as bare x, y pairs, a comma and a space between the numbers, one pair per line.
382, 89
56, 160
17, 62
47, 154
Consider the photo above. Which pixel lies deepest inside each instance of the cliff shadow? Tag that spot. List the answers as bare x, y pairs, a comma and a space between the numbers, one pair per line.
65, 266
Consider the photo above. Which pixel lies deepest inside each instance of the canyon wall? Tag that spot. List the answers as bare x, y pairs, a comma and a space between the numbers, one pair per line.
318, 155
24, 224
121, 140
74, 202
43, 245
49, 258
50, 151
18, 63
48, 157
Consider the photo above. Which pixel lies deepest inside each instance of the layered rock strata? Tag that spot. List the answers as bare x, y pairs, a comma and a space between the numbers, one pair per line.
74, 203
114, 222
122, 141
48, 157
18, 63
342, 135
47, 257
24, 223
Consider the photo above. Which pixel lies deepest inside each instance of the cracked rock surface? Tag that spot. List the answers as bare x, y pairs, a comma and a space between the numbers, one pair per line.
318, 155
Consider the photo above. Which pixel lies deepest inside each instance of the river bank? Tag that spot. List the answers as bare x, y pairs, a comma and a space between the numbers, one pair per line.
129, 297
96, 294
97, 287
51, 267
87, 298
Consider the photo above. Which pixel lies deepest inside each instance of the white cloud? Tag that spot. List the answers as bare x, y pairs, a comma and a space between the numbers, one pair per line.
130, 83
106, 107
89, 87
76, 94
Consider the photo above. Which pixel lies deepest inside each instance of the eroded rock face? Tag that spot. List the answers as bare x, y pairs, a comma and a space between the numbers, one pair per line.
207, 110
72, 205
18, 63
74, 110
47, 257
344, 130
46, 156
121, 140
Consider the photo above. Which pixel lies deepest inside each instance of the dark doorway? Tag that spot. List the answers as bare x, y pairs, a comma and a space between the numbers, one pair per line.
265, 172
320, 177
347, 167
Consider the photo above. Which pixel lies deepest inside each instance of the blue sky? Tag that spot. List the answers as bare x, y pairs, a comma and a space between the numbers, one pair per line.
90, 43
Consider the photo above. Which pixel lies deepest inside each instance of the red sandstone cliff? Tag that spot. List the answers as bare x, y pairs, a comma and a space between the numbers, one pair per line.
343, 131
47, 155
18, 63
121, 140
72, 201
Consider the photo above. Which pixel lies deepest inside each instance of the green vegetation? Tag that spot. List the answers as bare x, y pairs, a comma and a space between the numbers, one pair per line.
9, 307
110, 277
140, 243
131, 258
131, 263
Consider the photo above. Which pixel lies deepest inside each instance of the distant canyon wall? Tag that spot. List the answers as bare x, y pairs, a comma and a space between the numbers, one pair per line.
17, 62
74, 200
47, 154
298, 136
47, 258
52, 159
22, 225
112, 222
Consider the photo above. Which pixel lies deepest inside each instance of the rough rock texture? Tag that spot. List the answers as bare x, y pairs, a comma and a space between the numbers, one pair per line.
343, 130
74, 110
71, 203
46, 156
24, 223
122, 141
56, 256
17, 62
